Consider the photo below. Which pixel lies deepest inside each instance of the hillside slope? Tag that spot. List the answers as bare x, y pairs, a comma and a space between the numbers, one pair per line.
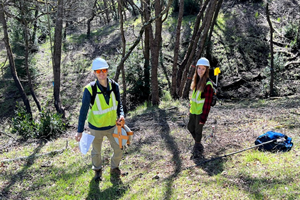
242, 48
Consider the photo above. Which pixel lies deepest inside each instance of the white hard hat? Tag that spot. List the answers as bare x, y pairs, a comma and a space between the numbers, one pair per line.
99, 63
203, 61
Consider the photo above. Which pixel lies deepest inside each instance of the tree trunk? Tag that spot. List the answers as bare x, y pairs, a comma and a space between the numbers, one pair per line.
207, 24
155, 49
148, 31
176, 50
88, 34
35, 24
202, 32
65, 30
114, 8
106, 11
26, 39
208, 48
161, 58
192, 44
120, 8
271, 49
138, 39
12, 62
57, 57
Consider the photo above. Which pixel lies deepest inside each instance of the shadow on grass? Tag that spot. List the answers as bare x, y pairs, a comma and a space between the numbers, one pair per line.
19, 176
114, 192
171, 146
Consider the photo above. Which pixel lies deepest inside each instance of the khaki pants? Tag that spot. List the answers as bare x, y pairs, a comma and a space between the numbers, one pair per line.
96, 150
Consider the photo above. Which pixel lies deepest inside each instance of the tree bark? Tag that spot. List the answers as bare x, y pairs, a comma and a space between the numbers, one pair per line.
26, 39
155, 49
207, 24
271, 49
201, 32
12, 62
120, 8
192, 44
57, 57
209, 44
35, 24
88, 33
106, 11
136, 42
148, 31
176, 50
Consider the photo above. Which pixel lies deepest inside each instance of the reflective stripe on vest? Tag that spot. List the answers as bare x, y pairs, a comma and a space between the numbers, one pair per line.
196, 98
103, 114
100, 111
196, 101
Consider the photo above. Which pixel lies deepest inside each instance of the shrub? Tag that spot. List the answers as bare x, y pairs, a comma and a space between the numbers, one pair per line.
48, 125
23, 124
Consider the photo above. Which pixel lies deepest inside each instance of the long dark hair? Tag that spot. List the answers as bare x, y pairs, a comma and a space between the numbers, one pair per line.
200, 83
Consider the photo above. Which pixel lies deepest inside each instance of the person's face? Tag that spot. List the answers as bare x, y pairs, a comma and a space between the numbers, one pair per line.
101, 74
201, 69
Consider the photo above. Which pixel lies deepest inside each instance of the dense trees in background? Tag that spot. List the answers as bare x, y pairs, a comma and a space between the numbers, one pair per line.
40, 20
11, 58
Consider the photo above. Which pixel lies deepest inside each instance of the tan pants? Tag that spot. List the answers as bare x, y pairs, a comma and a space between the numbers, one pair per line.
96, 150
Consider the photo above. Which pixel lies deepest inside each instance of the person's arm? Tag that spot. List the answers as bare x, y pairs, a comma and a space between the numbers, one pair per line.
208, 94
86, 99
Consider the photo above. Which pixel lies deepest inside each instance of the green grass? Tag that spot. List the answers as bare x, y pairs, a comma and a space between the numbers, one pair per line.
156, 164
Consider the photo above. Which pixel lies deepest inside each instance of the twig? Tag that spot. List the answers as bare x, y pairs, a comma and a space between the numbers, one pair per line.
36, 156
7, 135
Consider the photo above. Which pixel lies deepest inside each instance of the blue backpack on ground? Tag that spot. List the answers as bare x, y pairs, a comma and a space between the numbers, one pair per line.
274, 146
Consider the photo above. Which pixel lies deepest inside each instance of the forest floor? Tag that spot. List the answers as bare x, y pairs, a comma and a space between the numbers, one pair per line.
159, 157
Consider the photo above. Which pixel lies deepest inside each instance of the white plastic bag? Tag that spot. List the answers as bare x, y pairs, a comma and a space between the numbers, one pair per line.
85, 142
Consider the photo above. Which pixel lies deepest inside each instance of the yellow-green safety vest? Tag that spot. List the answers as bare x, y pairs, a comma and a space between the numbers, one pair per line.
101, 114
196, 101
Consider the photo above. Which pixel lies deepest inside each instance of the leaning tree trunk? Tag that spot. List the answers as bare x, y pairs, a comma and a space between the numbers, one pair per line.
271, 49
155, 49
192, 45
12, 62
209, 44
207, 24
176, 50
57, 57
203, 33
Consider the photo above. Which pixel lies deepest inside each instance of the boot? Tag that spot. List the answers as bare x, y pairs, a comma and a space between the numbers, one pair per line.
197, 151
115, 175
98, 175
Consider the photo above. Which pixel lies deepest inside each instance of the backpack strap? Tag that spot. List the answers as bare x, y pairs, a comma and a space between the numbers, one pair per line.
94, 90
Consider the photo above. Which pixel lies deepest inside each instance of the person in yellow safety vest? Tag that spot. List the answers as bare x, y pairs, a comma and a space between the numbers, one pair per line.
106, 109
200, 104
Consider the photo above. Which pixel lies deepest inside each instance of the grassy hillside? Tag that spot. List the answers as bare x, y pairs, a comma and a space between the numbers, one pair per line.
158, 163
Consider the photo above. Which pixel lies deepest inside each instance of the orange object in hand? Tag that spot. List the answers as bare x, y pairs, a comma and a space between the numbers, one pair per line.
119, 136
